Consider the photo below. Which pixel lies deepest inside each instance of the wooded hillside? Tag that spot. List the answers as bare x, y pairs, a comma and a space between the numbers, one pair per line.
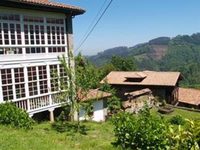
181, 53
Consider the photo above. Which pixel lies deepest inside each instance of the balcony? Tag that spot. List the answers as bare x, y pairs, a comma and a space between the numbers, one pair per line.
39, 104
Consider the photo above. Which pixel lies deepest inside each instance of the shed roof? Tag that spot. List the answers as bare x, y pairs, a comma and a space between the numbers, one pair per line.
43, 5
189, 96
94, 94
149, 78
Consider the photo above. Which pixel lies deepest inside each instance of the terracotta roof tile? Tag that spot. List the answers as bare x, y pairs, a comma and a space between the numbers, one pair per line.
150, 78
49, 3
95, 94
189, 96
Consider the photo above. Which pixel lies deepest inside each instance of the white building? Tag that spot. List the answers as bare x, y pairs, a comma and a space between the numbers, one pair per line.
33, 33
98, 99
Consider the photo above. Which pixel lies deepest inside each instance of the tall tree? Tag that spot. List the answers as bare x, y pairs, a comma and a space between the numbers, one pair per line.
123, 64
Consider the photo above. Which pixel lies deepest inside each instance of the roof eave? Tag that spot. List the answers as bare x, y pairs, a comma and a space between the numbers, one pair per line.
24, 5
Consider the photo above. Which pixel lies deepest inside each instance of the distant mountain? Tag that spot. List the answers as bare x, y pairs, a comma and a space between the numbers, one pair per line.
103, 57
154, 49
181, 53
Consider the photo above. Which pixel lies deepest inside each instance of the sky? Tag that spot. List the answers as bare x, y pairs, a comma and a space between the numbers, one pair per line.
130, 22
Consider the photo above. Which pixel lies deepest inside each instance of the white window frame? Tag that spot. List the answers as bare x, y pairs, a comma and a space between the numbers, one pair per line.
44, 24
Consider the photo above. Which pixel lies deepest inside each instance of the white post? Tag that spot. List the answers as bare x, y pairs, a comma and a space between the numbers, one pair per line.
26, 86
13, 83
22, 34
45, 35
49, 83
30, 115
38, 84
51, 115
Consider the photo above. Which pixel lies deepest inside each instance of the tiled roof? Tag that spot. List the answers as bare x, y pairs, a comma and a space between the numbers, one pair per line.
149, 78
189, 96
50, 4
94, 94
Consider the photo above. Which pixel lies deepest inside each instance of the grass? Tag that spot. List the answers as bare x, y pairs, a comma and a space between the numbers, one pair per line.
184, 113
42, 137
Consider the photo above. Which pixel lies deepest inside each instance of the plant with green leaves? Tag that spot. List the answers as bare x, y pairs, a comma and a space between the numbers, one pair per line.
113, 102
81, 79
184, 138
143, 132
88, 109
15, 117
177, 120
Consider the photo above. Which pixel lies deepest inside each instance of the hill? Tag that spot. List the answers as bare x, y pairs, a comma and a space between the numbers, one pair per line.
181, 53
154, 49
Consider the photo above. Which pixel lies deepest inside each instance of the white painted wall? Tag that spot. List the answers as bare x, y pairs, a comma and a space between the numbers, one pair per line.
99, 113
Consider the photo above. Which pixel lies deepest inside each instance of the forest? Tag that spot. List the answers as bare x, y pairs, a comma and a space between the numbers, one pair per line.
180, 53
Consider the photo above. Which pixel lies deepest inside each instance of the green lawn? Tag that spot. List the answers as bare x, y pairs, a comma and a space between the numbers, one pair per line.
42, 137
184, 113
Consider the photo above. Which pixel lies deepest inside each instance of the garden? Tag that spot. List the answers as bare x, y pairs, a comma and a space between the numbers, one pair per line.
21, 133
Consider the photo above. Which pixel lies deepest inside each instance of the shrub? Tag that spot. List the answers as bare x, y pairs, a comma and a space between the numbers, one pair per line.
144, 132
114, 104
15, 117
184, 138
151, 132
69, 127
177, 120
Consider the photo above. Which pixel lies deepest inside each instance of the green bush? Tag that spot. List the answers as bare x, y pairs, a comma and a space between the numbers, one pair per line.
184, 137
151, 132
15, 117
177, 120
70, 128
142, 132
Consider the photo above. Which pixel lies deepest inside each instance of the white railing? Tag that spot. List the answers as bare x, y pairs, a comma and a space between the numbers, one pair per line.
39, 102
22, 104
56, 98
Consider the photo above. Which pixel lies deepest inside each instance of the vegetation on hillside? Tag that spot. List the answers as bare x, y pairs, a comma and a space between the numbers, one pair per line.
180, 53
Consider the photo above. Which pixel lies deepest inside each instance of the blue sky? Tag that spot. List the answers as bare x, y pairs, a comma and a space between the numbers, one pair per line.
129, 22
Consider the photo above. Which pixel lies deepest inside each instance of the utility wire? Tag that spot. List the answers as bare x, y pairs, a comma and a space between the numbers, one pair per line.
93, 21
92, 29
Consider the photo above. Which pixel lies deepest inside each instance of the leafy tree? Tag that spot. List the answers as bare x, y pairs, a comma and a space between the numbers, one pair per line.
80, 80
123, 64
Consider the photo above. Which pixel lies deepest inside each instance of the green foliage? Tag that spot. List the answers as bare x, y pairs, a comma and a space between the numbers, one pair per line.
147, 131
87, 76
81, 80
114, 104
123, 64
88, 109
69, 127
184, 138
15, 117
144, 132
180, 53
65, 113
177, 120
